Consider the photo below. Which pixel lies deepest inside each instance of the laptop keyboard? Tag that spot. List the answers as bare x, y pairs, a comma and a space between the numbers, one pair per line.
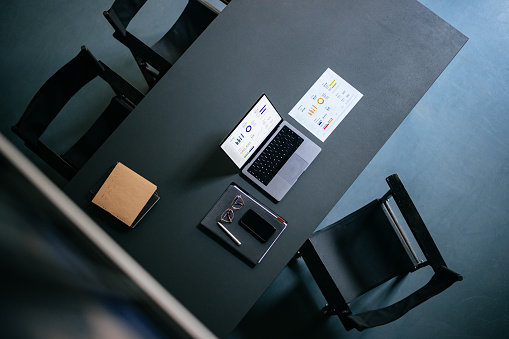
275, 155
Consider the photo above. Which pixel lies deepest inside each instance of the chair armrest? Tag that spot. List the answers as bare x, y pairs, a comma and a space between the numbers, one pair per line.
441, 280
414, 221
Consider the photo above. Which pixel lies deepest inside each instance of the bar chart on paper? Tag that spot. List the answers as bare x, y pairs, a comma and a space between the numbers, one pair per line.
325, 104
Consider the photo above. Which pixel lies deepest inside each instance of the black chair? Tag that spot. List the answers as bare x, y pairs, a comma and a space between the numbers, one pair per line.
155, 61
369, 247
54, 95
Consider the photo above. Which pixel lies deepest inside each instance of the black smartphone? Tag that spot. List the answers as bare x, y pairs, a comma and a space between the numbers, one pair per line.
257, 226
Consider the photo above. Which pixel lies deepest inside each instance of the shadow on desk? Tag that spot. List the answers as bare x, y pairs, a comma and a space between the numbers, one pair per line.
219, 241
215, 165
287, 310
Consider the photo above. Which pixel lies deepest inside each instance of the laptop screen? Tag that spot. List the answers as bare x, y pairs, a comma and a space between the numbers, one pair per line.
251, 131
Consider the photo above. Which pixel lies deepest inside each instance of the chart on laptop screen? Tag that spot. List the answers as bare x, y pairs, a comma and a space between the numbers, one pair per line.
252, 130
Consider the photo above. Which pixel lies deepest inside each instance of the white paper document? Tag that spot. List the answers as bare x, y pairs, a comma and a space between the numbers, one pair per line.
325, 104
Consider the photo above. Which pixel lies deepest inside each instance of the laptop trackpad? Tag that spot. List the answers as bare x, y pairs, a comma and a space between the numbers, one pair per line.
293, 168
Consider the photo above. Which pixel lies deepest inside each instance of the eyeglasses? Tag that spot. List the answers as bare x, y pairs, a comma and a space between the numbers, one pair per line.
237, 203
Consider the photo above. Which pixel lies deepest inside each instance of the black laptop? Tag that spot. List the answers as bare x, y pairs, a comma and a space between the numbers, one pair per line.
269, 151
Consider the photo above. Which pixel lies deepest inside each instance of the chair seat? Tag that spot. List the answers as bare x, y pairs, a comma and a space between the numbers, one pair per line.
56, 93
366, 249
360, 252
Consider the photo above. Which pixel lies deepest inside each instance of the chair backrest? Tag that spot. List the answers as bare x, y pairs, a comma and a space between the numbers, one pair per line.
56, 93
155, 61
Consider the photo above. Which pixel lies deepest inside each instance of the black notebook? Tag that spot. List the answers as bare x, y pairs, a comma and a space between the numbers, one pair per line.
251, 249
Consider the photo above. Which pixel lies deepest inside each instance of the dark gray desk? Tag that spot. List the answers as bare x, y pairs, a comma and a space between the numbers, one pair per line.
390, 50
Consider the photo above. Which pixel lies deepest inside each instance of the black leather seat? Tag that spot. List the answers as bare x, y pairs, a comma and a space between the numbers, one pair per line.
369, 247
